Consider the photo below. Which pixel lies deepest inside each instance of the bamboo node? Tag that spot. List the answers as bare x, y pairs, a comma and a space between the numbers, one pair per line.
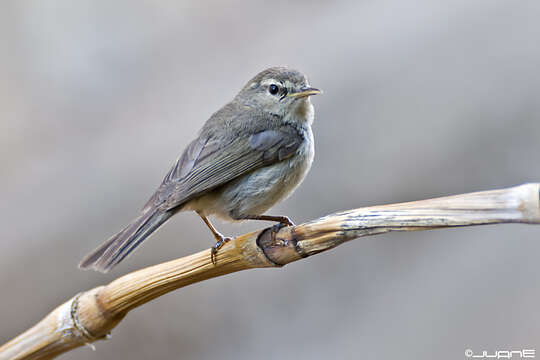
79, 327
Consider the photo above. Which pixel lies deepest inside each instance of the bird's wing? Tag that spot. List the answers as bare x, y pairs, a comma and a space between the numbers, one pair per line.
206, 163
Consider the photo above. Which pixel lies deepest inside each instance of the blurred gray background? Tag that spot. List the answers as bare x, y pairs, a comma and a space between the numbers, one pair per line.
421, 99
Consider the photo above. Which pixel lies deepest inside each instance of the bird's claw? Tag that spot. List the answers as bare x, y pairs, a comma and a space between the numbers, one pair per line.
283, 223
286, 221
218, 245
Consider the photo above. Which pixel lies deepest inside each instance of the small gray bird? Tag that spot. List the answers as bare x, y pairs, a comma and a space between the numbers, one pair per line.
249, 155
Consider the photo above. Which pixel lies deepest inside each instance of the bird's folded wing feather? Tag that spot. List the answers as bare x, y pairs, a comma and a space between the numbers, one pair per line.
207, 164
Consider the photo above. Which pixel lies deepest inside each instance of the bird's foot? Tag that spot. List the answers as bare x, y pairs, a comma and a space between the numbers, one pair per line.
284, 221
218, 245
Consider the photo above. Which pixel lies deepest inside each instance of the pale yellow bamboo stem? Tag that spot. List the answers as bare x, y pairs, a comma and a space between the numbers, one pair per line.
91, 315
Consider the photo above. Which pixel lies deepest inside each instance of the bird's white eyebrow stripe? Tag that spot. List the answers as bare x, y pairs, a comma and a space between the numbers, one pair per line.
270, 81
285, 84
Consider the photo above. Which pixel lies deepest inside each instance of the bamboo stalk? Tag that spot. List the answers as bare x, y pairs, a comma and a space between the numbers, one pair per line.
91, 315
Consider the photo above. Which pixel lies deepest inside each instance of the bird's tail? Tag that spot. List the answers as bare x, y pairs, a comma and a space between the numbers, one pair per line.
114, 250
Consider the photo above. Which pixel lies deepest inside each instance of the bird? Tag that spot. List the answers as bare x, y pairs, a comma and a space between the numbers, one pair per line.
248, 156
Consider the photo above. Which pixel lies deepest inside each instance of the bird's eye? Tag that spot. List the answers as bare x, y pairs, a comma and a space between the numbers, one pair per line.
273, 89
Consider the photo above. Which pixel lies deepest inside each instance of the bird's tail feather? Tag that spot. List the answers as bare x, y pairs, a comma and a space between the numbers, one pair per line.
114, 250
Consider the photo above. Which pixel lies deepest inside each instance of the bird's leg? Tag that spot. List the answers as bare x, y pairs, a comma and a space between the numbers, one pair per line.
220, 239
282, 220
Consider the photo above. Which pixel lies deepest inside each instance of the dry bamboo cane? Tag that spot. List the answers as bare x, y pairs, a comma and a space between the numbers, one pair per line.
91, 315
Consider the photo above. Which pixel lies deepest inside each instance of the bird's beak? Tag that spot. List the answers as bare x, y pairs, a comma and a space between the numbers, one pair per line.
305, 91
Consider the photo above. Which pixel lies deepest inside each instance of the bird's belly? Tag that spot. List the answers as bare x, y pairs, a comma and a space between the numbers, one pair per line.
258, 191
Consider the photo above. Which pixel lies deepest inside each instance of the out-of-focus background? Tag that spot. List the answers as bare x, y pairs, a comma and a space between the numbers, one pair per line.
424, 99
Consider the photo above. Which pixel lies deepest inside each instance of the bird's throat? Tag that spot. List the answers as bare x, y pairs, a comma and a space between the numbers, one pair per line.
303, 113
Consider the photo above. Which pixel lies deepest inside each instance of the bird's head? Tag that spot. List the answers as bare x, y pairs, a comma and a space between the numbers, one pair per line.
280, 91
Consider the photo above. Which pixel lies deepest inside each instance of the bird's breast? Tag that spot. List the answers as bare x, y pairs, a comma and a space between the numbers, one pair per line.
258, 191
